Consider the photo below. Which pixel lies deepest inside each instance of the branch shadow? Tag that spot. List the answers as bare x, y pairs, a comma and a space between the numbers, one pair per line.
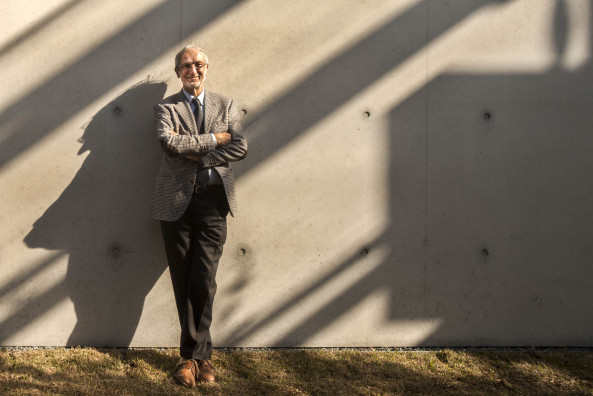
334, 84
99, 221
31, 30
78, 85
342, 77
495, 195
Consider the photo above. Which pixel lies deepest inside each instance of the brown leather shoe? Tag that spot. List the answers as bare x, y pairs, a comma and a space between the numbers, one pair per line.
187, 372
206, 371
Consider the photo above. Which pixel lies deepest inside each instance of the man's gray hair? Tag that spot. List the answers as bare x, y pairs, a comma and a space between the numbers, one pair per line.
180, 54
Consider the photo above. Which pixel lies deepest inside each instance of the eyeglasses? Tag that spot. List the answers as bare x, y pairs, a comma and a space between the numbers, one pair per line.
188, 65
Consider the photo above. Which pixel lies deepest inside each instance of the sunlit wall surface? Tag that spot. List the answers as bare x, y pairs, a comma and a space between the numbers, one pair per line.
418, 171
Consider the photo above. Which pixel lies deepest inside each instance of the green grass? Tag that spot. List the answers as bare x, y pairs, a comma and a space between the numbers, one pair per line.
89, 371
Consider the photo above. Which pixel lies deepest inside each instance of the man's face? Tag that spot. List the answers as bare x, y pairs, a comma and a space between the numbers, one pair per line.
192, 71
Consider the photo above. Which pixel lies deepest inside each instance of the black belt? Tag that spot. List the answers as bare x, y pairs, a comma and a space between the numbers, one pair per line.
209, 188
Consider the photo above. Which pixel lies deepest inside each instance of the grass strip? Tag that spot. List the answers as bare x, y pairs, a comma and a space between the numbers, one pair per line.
99, 371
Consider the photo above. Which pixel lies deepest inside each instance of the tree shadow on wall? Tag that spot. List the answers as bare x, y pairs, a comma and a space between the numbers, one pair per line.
488, 226
100, 222
319, 95
107, 65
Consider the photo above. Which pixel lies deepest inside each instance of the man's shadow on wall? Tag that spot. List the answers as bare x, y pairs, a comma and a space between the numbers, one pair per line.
100, 220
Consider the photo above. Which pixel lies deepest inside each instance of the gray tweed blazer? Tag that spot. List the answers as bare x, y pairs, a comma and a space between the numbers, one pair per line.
174, 182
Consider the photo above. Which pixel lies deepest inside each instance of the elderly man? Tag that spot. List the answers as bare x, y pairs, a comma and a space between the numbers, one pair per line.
200, 135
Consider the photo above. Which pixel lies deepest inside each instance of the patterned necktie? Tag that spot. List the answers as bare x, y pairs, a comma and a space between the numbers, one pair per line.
199, 114
203, 175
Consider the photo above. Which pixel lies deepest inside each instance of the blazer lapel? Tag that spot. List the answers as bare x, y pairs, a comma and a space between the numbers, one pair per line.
209, 112
185, 113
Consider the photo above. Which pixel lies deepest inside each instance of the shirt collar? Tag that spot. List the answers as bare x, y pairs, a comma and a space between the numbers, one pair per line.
190, 97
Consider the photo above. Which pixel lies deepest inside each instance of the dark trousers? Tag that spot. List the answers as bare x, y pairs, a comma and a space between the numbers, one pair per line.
194, 245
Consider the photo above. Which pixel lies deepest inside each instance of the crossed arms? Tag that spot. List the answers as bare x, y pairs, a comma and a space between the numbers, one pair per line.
230, 145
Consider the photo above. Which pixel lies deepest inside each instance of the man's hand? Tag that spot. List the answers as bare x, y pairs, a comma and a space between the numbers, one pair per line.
222, 138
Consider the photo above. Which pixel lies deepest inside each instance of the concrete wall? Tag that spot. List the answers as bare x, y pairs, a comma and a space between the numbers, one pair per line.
418, 171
